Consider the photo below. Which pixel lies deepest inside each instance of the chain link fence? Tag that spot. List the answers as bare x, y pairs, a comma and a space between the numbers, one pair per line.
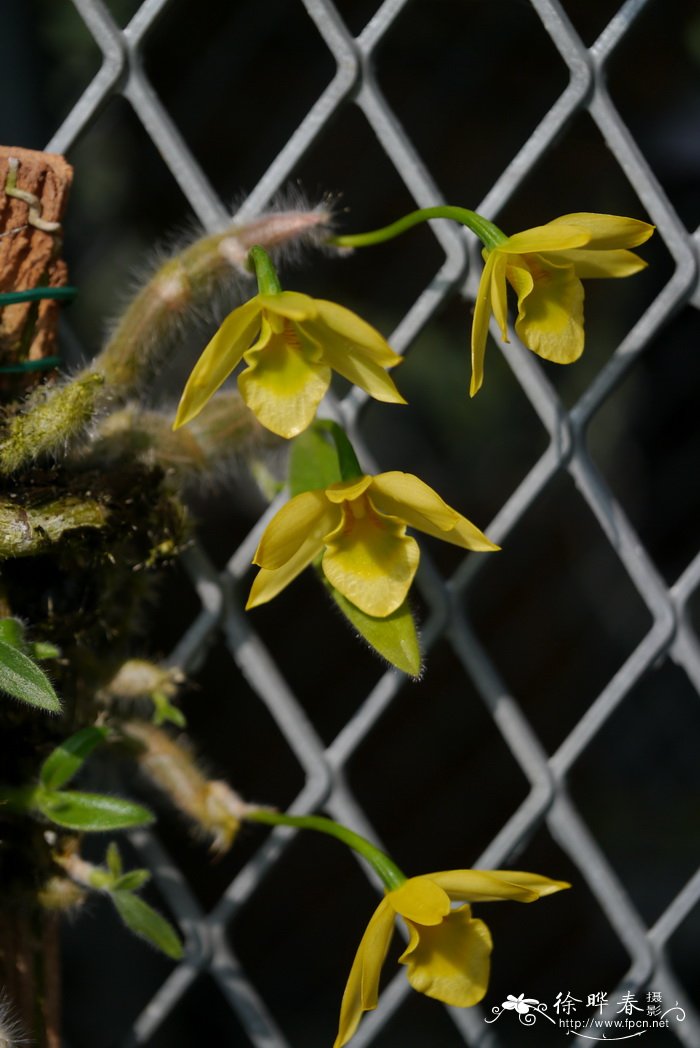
557, 723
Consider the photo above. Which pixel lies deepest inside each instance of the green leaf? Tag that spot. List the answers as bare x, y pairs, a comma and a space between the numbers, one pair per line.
12, 633
62, 764
90, 811
313, 462
44, 649
347, 459
131, 881
163, 710
394, 638
22, 679
114, 859
145, 922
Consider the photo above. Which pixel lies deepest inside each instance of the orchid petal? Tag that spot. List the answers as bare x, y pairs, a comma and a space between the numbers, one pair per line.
398, 493
370, 560
552, 237
351, 332
405, 496
450, 961
550, 309
292, 305
219, 358
482, 886
531, 882
346, 490
499, 303
308, 515
271, 581
480, 325
590, 265
421, 900
605, 231
283, 385
292, 540
362, 989
359, 369
493, 886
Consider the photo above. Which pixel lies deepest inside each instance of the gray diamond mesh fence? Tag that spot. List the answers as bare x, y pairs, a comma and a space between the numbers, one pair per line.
556, 727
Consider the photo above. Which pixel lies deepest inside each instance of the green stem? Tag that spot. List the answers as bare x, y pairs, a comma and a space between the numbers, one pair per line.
389, 872
265, 272
490, 235
19, 798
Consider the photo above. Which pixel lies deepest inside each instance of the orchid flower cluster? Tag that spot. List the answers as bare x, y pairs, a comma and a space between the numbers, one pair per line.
111, 510
352, 525
290, 344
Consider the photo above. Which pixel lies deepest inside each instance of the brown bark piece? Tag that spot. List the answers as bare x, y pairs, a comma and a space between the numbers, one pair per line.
29, 257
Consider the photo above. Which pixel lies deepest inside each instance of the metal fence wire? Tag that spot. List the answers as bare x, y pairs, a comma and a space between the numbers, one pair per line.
599, 784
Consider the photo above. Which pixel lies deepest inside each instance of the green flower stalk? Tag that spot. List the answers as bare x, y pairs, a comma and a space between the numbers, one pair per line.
448, 952
489, 234
543, 265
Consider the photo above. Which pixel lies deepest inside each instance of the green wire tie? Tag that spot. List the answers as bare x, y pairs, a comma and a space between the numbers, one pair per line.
33, 294
8, 298
30, 365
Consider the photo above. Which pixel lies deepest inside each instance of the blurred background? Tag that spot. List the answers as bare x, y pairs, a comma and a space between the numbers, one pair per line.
556, 613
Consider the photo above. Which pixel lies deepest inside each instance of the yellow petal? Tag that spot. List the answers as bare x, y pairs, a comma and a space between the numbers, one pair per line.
591, 264
219, 358
283, 384
358, 368
351, 330
552, 237
550, 309
397, 493
292, 540
404, 496
486, 885
528, 882
606, 231
450, 961
348, 489
421, 900
480, 324
292, 305
306, 516
362, 989
271, 581
499, 303
370, 560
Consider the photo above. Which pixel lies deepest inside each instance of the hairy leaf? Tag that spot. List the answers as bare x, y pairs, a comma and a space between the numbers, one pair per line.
394, 638
62, 764
22, 679
313, 462
90, 811
145, 922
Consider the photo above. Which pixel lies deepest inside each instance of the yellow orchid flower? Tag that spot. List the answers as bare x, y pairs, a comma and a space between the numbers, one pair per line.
448, 951
360, 527
291, 343
545, 267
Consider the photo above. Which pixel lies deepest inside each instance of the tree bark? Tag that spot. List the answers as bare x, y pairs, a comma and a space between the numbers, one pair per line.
30, 255
29, 972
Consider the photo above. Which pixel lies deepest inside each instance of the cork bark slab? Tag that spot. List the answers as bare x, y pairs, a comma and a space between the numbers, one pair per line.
30, 257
